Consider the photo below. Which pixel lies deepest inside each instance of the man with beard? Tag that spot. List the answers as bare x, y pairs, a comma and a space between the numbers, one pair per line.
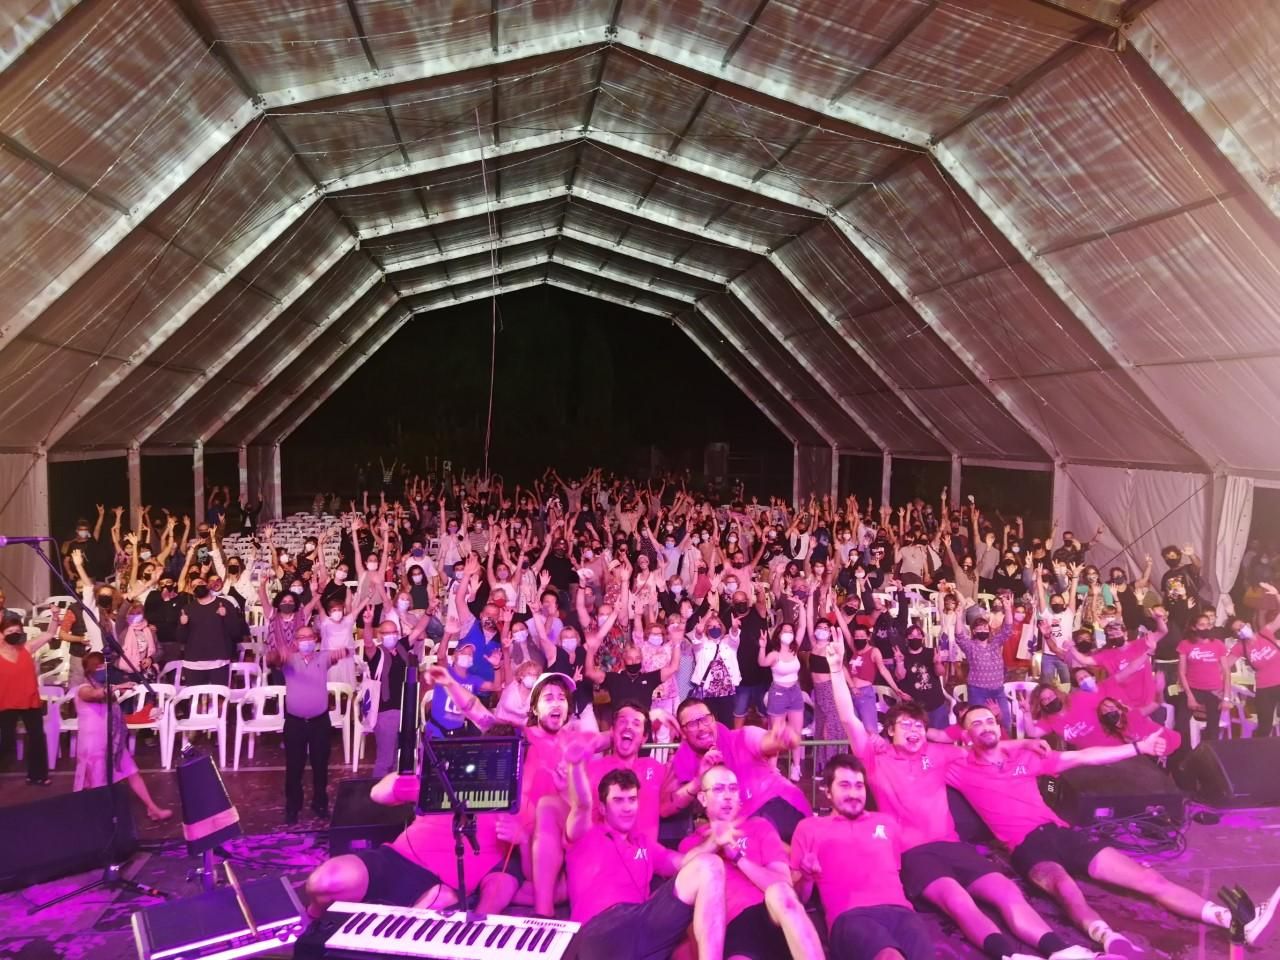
542, 807
854, 858
611, 865
999, 779
765, 920
749, 753
908, 776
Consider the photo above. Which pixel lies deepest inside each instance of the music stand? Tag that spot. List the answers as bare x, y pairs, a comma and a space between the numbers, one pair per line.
478, 765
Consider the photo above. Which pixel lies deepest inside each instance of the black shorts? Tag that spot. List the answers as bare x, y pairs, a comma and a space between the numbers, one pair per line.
1073, 849
928, 862
635, 931
864, 932
784, 817
753, 934
393, 879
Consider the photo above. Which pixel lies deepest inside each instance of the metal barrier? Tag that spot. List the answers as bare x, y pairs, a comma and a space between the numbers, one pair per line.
816, 798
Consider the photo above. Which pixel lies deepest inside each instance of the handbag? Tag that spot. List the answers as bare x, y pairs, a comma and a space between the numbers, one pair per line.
698, 691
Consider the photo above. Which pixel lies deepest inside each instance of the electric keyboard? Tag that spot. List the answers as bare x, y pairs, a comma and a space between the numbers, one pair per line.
355, 931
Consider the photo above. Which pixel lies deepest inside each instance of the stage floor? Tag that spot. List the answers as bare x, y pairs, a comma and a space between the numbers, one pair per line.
1244, 847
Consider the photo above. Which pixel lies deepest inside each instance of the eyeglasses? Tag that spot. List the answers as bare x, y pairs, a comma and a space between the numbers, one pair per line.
721, 789
704, 720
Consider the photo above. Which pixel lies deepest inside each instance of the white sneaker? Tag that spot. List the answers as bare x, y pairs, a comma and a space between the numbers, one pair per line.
1263, 923
1074, 953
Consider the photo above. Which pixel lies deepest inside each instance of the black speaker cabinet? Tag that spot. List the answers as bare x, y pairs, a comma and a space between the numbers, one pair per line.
66, 834
1235, 773
1133, 787
358, 823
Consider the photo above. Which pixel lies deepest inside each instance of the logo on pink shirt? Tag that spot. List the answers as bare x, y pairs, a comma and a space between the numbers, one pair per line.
1019, 771
879, 834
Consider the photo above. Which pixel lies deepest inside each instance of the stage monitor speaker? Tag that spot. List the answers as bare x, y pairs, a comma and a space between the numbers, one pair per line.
212, 925
1235, 773
65, 834
358, 823
1130, 788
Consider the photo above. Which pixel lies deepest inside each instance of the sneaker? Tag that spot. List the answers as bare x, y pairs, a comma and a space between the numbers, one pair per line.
1075, 952
1263, 923
1120, 947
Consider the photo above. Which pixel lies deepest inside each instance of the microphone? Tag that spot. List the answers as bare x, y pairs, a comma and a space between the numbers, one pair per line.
5, 541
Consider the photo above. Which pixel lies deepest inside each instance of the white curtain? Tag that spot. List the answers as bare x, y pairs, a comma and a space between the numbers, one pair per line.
24, 511
1141, 511
1234, 519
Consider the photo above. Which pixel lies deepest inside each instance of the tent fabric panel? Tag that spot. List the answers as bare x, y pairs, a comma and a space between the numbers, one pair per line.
46, 227
1229, 60
827, 352
668, 245
779, 365
40, 381
1081, 153
640, 272
583, 278
124, 117
24, 511
419, 278
309, 364
686, 26
835, 273
397, 249
827, 164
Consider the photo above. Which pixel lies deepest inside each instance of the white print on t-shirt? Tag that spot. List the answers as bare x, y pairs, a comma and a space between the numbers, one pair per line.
1074, 730
451, 708
855, 663
1197, 653
741, 844
1019, 771
642, 853
879, 834
1261, 654
925, 763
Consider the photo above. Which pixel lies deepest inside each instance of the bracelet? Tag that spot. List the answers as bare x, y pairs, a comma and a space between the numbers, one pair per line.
1137, 751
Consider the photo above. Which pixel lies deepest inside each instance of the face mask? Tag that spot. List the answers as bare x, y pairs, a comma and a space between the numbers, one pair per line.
463, 662
309, 548
234, 569
527, 681
135, 619
1051, 708
655, 639
17, 638
1172, 562
99, 675
297, 589
201, 592
286, 558
677, 588
820, 635
1057, 607
306, 646
104, 600
915, 643
740, 609
390, 640
519, 636
1111, 718
372, 565
788, 638
1115, 641
731, 585
670, 544
981, 634
287, 608
82, 534
1089, 685
1245, 633
144, 555
715, 633
569, 644
340, 575
335, 616
633, 668
860, 642
733, 538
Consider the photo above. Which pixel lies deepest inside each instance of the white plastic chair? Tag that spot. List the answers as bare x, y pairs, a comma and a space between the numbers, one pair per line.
172, 669
244, 677
133, 701
254, 717
53, 697
208, 702
342, 705
54, 666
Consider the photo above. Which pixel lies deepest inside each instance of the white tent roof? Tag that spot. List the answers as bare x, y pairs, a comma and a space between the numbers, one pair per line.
1009, 230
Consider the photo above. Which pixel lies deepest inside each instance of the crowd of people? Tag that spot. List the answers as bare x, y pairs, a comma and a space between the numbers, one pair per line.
598, 615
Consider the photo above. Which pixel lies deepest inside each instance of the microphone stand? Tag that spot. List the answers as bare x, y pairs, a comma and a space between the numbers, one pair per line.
113, 877
464, 823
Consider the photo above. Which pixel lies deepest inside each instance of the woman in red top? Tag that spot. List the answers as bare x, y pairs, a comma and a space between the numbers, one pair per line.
1204, 671
20, 697
1262, 649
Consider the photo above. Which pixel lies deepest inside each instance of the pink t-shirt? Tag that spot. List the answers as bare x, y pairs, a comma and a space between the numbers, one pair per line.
605, 868
1264, 657
1204, 663
1078, 725
913, 788
648, 771
428, 842
545, 753
1007, 796
860, 861
758, 780
1139, 688
760, 844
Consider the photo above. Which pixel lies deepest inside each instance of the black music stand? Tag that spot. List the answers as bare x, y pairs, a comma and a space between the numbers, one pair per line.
485, 763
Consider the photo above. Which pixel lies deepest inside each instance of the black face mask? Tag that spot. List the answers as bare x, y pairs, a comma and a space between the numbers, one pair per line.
1111, 718
287, 608
233, 570
915, 644
200, 592
104, 600
633, 668
1114, 643
17, 639
1051, 708
740, 609
860, 642
982, 634
1057, 607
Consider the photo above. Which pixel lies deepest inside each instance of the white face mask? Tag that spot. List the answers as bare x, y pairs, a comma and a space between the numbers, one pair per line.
306, 646
1245, 632
296, 589
570, 644
520, 636
463, 662
527, 681
788, 638
656, 639
820, 635
335, 616
285, 558
390, 641
402, 604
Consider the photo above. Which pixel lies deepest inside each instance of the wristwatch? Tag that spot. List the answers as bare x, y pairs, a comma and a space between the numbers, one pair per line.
737, 855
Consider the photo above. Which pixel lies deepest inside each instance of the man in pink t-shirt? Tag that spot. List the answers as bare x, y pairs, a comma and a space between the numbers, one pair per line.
626, 738
766, 921
611, 865
999, 781
854, 858
748, 752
